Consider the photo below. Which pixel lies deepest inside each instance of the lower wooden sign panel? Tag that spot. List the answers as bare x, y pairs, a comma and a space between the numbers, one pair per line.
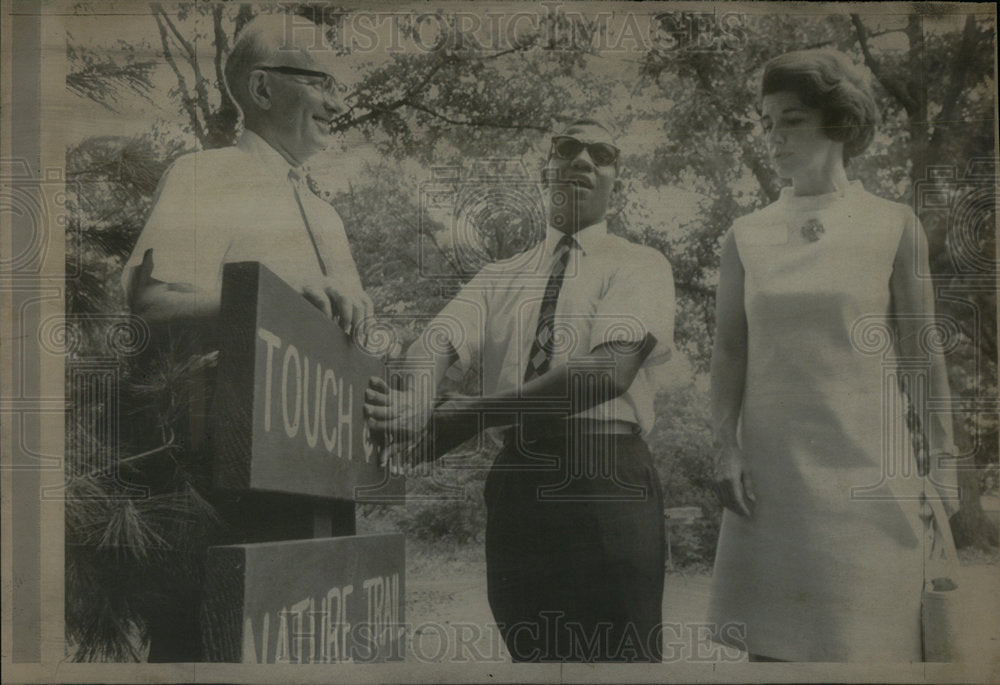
326, 600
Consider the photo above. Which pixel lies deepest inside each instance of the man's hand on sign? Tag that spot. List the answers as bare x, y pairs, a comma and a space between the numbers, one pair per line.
344, 299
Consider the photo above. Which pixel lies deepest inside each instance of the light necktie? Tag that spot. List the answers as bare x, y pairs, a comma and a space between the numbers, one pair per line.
540, 357
332, 247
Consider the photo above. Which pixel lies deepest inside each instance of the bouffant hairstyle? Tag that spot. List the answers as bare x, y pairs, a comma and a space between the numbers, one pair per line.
832, 83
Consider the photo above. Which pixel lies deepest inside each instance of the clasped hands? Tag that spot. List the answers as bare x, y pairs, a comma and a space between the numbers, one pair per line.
414, 429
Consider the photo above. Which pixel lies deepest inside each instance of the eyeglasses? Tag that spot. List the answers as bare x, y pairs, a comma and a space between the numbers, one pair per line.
568, 147
329, 85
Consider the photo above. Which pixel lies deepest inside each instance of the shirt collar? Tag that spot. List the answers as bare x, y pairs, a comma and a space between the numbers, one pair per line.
587, 239
269, 158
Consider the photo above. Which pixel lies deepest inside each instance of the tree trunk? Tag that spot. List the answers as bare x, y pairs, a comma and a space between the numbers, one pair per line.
970, 526
909, 87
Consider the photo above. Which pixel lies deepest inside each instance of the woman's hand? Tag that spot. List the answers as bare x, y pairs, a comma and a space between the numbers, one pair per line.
729, 372
732, 482
942, 479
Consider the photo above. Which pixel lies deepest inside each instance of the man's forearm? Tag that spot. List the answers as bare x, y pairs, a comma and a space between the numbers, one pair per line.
569, 389
169, 302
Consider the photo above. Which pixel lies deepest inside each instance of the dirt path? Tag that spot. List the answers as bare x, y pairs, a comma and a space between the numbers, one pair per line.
450, 619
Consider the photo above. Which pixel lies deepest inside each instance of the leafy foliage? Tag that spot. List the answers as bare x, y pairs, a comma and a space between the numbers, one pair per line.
693, 161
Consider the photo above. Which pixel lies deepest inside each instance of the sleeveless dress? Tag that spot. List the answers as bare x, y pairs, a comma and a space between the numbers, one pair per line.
829, 567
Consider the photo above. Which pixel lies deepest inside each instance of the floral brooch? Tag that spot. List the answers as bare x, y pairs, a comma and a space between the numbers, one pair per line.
812, 230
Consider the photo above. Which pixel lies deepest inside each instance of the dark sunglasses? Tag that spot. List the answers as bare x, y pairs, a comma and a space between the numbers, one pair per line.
330, 84
568, 147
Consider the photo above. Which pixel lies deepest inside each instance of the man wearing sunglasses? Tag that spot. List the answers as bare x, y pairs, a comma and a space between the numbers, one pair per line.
251, 202
564, 339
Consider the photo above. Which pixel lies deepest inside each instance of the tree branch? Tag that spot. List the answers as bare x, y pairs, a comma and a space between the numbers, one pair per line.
474, 122
423, 83
243, 17
221, 44
762, 172
444, 253
183, 42
201, 92
956, 82
187, 102
376, 110
893, 86
222, 125
501, 53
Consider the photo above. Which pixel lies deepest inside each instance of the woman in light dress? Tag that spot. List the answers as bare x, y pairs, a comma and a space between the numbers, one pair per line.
821, 549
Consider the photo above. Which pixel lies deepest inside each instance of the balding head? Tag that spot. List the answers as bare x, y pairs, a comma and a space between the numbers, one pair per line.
282, 74
276, 40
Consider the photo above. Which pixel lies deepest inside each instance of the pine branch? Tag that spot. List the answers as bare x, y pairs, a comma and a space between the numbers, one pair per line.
168, 445
100, 81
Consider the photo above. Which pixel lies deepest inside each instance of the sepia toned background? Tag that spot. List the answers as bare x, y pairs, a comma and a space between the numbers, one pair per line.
446, 101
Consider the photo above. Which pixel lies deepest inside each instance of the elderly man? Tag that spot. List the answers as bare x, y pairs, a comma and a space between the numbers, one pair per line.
251, 202
244, 203
564, 337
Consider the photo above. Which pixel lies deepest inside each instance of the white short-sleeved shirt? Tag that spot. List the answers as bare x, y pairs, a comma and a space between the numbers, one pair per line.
232, 205
613, 291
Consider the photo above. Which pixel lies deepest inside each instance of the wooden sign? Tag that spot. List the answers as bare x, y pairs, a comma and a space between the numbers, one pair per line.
290, 397
317, 601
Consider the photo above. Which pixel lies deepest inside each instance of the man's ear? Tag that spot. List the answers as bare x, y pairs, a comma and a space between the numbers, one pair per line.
617, 186
260, 91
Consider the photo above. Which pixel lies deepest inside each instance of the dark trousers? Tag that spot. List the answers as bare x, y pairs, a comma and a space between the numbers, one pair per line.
575, 549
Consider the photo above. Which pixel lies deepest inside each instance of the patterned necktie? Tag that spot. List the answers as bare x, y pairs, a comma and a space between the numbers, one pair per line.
540, 356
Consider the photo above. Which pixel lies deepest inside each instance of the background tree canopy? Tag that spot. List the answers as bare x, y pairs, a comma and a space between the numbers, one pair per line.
448, 122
